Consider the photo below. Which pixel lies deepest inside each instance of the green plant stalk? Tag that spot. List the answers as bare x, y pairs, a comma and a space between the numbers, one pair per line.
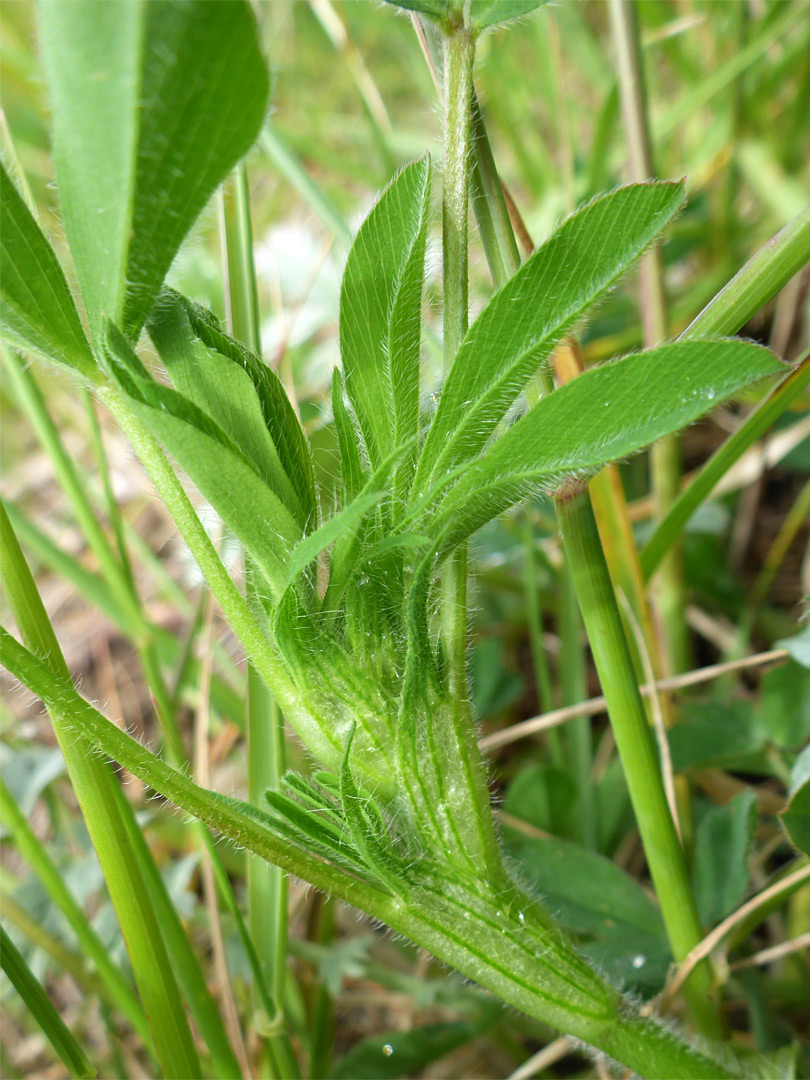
101, 808
542, 674
118, 990
267, 885
665, 455
96, 592
635, 743
574, 686
720, 462
505, 945
178, 946
39, 1005
765, 273
459, 54
489, 204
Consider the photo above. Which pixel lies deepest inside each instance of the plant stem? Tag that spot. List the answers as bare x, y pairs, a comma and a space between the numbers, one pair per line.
459, 53
500, 937
267, 884
666, 453
634, 740
574, 686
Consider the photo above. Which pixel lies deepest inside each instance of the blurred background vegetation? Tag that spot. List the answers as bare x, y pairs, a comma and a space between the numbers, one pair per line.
729, 94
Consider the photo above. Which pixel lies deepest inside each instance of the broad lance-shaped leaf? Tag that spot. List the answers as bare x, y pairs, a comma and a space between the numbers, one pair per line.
279, 415
37, 312
521, 324
153, 102
381, 313
608, 413
224, 390
213, 461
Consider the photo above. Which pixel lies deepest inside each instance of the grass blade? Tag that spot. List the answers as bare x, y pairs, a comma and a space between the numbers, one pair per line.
101, 804
40, 1007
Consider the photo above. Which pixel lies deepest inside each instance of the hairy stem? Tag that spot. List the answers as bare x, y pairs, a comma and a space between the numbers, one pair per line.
267, 885
495, 935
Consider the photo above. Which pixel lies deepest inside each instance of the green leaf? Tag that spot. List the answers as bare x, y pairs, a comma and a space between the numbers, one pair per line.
483, 13
795, 817
347, 520
350, 547
723, 841
153, 102
521, 324
37, 312
213, 461
590, 893
783, 713
606, 414
380, 314
367, 827
798, 646
279, 415
224, 390
712, 735
351, 467
41, 1008
543, 796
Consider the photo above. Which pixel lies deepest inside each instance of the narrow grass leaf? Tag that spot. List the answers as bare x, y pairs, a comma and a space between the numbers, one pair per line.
545, 299
28, 844
110, 823
37, 312
153, 103
41, 1008
380, 312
